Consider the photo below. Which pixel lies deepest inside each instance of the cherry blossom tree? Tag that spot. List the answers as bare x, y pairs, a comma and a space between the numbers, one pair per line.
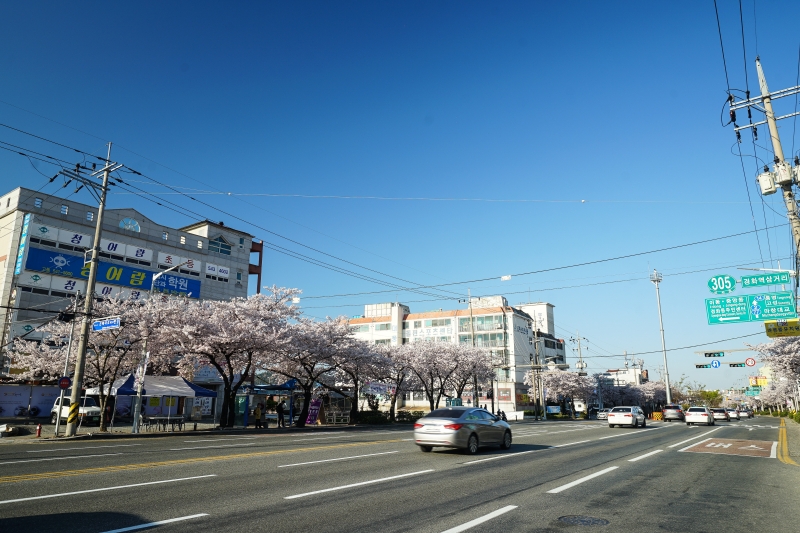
233, 336
432, 364
564, 385
472, 363
354, 361
395, 370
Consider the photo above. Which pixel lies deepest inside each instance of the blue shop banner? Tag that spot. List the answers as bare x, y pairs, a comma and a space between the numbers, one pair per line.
71, 266
23, 240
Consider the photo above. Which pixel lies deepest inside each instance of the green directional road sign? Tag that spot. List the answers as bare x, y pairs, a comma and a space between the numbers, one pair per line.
762, 280
750, 308
722, 284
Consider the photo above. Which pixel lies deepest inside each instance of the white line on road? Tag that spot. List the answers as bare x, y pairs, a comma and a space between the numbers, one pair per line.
481, 520
643, 456
58, 458
773, 453
82, 448
581, 480
693, 438
337, 459
207, 447
639, 432
356, 484
570, 444
321, 438
217, 440
153, 524
695, 444
506, 455
105, 488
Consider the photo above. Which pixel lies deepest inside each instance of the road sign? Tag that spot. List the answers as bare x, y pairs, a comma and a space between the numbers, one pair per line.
112, 322
722, 284
750, 361
751, 308
761, 280
64, 383
715, 364
782, 328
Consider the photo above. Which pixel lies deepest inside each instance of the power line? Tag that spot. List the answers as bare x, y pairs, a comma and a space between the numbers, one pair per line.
681, 348
722, 48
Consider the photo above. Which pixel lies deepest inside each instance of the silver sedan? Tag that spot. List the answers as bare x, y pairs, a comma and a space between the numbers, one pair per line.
466, 428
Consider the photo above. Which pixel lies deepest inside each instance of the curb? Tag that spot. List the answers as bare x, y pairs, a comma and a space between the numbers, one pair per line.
783, 445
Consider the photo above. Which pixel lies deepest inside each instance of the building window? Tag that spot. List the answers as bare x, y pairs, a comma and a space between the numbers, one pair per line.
241, 242
165, 235
418, 323
89, 216
383, 341
37, 202
220, 246
406, 325
239, 276
383, 327
437, 323
8, 201
200, 245
549, 344
361, 329
183, 239
64, 209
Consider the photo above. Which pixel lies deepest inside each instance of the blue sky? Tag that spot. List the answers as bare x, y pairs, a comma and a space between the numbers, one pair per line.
524, 108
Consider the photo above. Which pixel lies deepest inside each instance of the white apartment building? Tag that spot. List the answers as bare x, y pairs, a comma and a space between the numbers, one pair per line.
44, 239
505, 332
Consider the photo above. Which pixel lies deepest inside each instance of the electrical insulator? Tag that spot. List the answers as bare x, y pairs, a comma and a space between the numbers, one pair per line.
755, 133
733, 115
738, 137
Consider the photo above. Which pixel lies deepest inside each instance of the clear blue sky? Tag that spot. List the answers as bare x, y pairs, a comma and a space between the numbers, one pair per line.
614, 103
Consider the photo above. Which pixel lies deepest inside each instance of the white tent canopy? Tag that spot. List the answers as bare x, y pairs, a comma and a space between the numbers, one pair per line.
173, 386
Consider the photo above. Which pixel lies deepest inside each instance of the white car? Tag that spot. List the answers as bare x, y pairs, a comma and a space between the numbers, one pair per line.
88, 412
699, 415
733, 413
627, 416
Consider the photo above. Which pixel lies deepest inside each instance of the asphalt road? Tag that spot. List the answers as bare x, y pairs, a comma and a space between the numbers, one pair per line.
557, 476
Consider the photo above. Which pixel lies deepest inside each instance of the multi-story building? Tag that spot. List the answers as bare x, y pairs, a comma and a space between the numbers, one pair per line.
505, 332
45, 244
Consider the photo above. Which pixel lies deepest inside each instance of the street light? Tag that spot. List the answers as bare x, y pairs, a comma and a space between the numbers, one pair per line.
656, 278
143, 362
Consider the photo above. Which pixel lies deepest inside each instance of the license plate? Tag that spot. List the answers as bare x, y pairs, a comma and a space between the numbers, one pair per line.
429, 429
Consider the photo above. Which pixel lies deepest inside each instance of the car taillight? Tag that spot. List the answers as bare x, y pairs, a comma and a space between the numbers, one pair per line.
627, 416
417, 425
453, 426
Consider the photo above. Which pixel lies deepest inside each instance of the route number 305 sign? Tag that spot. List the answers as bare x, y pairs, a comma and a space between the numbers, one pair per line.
722, 284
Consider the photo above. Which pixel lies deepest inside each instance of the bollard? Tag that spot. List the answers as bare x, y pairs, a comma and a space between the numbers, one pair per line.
38, 431
195, 426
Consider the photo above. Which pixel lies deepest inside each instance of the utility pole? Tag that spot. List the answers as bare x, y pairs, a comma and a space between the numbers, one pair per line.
66, 362
656, 278
581, 365
83, 339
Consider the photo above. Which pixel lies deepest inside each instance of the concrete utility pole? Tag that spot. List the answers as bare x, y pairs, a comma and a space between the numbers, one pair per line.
656, 278
66, 363
83, 339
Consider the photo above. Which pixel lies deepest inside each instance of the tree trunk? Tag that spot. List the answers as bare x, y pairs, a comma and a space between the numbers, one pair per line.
103, 403
228, 411
392, 405
301, 420
354, 406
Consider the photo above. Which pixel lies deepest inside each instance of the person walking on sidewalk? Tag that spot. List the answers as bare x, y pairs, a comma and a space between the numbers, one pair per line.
280, 409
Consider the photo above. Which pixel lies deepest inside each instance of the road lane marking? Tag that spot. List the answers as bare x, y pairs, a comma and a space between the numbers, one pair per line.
628, 434
693, 438
217, 440
581, 480
211, 447
82, 448
175, 462
360, 484
506, 455
337, 459
46, 496
773, 453
481, 520
58, 458
695, 444
321, 438
644, 456
154, 524
570, 444
783, 445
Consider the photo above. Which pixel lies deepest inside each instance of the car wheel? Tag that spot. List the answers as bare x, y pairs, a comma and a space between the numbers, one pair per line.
53, 418
688, 423
426, 449
472, 445
636, 423
644, 424
506, 444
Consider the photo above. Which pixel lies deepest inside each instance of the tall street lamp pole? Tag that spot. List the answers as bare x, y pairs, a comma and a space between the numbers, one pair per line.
143, 363
656, 278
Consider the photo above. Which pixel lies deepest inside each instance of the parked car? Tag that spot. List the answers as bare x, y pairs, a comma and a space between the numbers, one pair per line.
699, 415
721, 414
88, 412
627, 416
602, 414
465, 428
672, 411
733, 413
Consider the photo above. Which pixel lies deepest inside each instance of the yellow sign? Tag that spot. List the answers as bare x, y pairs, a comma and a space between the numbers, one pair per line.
758, 381
783, 328
154, 401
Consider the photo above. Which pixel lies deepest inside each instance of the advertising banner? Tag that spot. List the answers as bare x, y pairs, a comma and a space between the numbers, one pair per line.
23, 241
554, 409
15, 399
313, 411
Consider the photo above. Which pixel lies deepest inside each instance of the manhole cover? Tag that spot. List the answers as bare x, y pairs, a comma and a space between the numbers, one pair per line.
578, 520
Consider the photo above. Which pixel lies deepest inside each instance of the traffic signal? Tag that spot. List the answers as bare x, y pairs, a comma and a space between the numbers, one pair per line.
702, 366
714, 354
736, 364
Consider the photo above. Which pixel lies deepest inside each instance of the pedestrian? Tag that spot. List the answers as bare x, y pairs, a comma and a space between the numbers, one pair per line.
257, 416
263, 415
503, 416
280, 409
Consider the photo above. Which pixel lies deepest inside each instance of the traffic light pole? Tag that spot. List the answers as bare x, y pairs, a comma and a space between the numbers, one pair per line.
83, 339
